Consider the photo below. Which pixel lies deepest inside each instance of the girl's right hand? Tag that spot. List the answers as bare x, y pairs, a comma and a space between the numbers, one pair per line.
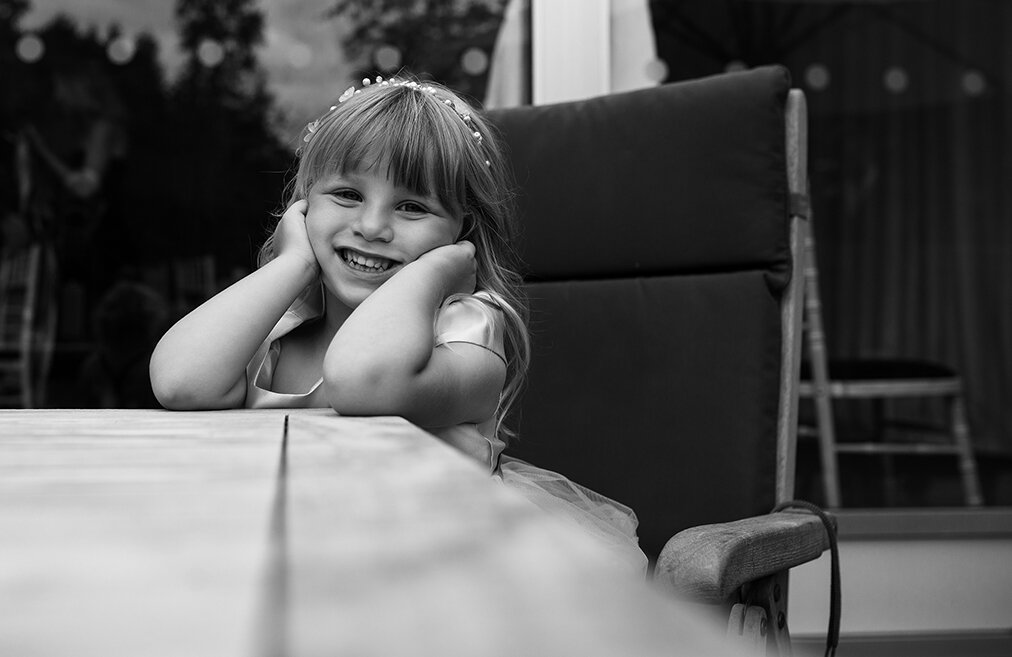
455, 265
291, 237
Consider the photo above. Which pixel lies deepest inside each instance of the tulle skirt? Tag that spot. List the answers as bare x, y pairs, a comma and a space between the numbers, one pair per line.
610, 523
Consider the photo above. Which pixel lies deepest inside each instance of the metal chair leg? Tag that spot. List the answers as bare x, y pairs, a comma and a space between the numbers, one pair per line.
967, 462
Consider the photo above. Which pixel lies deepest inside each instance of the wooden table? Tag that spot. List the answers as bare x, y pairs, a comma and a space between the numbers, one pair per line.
150, 533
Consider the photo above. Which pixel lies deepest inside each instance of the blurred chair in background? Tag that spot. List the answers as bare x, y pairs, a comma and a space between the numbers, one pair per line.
878, 381
27, 325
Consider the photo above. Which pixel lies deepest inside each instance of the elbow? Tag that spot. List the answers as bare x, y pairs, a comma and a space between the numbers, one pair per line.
177, 390
351, 393
171, 390
168, 382
364, 389
171, 397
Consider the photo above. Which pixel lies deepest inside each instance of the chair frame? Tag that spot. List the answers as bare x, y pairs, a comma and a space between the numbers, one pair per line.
823, 389
29, 359
743, 565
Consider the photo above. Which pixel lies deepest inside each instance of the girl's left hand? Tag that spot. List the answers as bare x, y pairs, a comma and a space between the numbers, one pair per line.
291, 238
455, 266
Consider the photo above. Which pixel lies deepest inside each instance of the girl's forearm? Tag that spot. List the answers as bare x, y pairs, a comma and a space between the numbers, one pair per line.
385, 344
201, 361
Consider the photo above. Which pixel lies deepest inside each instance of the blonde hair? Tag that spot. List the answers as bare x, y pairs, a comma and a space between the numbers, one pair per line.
420, 133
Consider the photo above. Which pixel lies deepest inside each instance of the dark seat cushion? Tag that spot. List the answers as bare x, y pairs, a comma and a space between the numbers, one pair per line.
655, 230
658, 392
882, 370
688, 177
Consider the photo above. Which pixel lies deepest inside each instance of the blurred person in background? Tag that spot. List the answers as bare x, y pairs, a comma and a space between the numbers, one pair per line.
77, 145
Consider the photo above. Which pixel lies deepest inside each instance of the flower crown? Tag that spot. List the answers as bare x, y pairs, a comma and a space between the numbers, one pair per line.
312, 126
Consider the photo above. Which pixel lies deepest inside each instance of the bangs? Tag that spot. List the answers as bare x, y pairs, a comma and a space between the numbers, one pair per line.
403, 133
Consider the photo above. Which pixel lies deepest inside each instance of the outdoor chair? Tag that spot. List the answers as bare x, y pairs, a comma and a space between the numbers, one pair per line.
27, 325
663, 234
879, 381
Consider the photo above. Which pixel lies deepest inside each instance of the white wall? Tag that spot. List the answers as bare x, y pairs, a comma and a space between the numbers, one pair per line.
909, 585
570, 49
586, 48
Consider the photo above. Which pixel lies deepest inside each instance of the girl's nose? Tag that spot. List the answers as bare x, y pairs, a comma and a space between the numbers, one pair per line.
373, 224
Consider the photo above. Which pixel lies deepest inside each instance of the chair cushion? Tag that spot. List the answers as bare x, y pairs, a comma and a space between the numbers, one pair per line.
658, 392
885, 369
655, 232
680, 178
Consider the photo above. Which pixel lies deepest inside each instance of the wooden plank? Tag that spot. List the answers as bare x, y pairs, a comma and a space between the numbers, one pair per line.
134, 532
396, 544
158, 533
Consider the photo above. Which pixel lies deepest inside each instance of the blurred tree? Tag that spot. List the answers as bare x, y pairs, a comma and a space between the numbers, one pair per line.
13, 108
144, 90
11, 12
431, 38
206, 167
227, 161
219, 40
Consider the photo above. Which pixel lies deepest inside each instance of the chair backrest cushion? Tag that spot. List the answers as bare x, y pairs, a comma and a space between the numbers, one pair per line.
655, 230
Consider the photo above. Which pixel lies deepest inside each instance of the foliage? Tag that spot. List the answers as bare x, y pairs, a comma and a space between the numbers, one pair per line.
236, 26
204, 169
225, 158
431, 36
11, 12
13, 73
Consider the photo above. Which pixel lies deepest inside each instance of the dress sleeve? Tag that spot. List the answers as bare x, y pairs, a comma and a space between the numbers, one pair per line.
471, 318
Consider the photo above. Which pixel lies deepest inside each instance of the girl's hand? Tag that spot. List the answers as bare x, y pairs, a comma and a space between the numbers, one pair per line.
291, 238
454, 265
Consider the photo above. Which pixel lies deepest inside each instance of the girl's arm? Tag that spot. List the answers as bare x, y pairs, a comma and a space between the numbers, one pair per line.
382, 362
200, 363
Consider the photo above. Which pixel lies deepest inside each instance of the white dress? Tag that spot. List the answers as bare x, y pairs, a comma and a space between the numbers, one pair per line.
471, 319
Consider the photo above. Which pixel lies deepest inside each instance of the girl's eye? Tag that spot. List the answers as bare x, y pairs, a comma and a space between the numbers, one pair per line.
347, 194
413, 208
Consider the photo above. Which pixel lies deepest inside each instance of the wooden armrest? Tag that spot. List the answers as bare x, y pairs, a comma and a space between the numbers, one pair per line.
710, 563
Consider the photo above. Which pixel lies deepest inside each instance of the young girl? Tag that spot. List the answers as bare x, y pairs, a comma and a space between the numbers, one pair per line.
388, 287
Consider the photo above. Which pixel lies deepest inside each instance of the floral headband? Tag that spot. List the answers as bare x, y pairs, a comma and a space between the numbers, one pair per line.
312, 126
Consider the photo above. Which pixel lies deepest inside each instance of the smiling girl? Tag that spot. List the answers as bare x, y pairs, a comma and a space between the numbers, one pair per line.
388, 287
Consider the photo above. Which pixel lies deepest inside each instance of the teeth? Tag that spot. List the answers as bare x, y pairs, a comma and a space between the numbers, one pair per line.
366, 263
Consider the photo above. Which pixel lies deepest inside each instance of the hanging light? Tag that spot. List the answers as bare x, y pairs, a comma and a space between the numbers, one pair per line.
474, 61
30, 48
973, 82
387, 57
121, 50
817, 76
896, 79
210, 53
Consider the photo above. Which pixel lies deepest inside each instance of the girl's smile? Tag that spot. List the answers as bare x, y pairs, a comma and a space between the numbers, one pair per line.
366, 263
364, 228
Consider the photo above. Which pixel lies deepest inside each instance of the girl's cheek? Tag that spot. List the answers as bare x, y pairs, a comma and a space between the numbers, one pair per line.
313, 222
313, 231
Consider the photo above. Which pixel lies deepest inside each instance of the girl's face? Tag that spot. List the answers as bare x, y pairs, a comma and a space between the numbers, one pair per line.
363, 229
